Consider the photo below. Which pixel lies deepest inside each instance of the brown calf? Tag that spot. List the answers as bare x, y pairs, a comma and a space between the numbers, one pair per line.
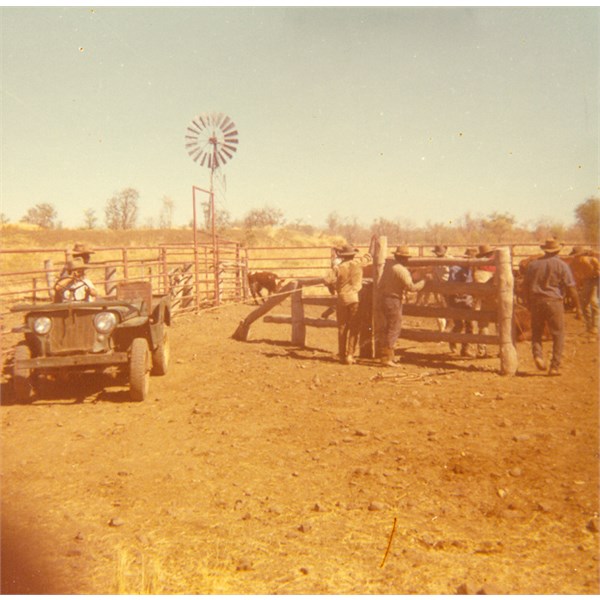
263, 280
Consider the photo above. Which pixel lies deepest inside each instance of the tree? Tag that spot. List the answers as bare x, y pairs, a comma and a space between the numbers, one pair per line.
391, 229
498, 226
4, 219
588, 219
121, 209
264, 217
89, 218
42, 215
165, 220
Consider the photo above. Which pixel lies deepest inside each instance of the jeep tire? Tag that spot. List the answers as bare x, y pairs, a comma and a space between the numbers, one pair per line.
22, 375
139, 369
160, 356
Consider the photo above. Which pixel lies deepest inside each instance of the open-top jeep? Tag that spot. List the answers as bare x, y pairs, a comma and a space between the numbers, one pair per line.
129, 331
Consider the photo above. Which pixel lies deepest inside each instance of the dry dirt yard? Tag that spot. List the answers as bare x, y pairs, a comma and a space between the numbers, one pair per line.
259, 467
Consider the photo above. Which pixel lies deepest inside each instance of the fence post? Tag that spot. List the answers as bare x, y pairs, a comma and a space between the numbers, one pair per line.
298, 326
165, 275
508, 352
381, 251
49, 277
110, 280
125, 265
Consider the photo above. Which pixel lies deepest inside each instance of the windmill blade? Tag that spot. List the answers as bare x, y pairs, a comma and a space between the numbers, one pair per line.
198, 153
211, 139
219, 119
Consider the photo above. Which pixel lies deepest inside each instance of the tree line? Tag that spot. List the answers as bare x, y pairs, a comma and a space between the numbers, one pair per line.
121, 213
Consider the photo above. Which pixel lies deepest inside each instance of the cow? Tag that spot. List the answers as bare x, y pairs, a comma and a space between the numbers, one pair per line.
263, 280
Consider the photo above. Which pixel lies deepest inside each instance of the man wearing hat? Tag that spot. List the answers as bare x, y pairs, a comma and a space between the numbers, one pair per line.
462, 274
79, 251
546, 280
395, 280
586, 271
76, 286
346, 278
484, 274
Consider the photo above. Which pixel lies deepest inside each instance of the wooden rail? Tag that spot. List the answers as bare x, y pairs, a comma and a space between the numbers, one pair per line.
500, 288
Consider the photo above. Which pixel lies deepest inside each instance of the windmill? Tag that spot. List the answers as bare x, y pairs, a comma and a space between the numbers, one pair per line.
210, 139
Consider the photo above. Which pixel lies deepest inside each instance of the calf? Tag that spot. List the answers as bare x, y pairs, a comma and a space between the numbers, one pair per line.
263, 280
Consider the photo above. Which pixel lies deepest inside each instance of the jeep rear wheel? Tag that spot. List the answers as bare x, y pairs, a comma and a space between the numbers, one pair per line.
160, 356
22, 375
139, 369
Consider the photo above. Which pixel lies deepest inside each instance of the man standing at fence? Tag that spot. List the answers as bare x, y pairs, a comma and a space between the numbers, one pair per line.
347, 279
461, 274
546, 281
586, 271
395, 280
484, 274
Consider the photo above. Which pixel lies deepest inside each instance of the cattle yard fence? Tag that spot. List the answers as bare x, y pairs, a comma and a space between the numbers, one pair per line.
497, 307
187, 275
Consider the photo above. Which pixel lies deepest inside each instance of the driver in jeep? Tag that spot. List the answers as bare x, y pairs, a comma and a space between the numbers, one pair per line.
75, 286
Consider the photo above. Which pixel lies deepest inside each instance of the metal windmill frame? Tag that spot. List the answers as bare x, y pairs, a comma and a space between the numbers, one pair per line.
210, 139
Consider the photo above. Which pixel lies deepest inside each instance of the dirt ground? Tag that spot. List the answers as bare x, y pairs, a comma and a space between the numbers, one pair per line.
259, 467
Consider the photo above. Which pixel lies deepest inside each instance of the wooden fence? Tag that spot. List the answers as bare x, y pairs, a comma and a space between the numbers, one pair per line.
500, 288
27, 275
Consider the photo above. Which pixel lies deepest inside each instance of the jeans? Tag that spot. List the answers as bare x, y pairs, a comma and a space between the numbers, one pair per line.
391, 307
552, 313
589, 302
348, 323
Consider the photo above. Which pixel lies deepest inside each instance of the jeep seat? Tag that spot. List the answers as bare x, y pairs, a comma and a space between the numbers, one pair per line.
140, 291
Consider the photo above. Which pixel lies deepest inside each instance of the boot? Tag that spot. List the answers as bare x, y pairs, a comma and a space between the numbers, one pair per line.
387, 357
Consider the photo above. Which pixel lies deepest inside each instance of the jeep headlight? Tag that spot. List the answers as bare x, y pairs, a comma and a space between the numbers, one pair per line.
42, 325
105, 322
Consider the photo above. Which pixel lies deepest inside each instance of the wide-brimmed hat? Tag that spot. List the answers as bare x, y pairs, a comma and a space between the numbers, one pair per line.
402, 251
551, 246
440, 250
484, 250
79, 249
470, 253
346, 250
577, 250
77, 263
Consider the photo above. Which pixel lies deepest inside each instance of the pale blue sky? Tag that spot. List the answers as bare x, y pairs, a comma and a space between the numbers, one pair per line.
419, 114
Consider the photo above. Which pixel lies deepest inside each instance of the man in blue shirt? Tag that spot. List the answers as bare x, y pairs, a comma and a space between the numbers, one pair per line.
547, 280
461, 274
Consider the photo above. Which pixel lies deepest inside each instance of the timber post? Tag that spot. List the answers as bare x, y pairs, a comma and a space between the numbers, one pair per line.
508, 352
50, 279
298, 325
379, 258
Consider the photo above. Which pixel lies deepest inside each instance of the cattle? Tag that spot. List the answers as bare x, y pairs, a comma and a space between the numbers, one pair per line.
263, 280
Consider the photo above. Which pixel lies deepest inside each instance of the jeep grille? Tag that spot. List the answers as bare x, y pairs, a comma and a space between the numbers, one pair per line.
72, 332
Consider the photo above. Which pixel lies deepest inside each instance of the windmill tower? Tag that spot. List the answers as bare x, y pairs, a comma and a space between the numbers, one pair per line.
210, 139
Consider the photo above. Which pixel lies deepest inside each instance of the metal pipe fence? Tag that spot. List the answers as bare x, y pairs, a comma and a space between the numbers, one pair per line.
29, 274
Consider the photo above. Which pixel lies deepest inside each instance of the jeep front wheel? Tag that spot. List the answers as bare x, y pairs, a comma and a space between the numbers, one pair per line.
139, 369
160, 356
22, 375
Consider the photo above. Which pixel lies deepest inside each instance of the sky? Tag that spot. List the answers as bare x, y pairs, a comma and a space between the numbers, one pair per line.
411, 114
